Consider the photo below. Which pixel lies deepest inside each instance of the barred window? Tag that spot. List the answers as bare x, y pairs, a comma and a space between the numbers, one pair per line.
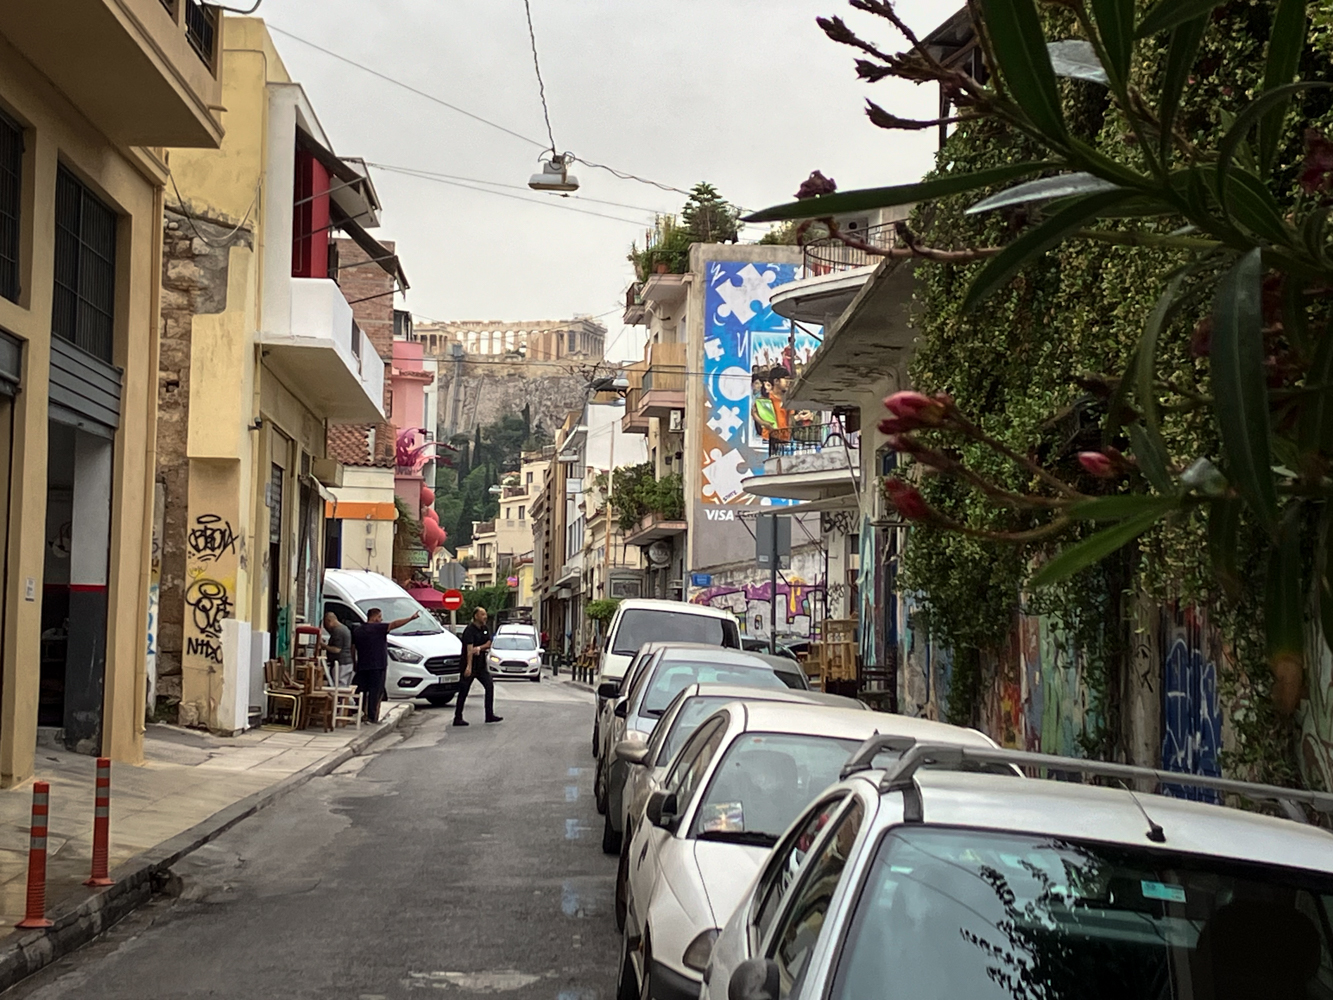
11, 163
85, 268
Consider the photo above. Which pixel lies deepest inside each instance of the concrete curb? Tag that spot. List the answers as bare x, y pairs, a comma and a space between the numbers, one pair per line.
83, 917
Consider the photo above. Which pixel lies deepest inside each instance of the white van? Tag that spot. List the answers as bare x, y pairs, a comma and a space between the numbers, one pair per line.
640, 619
425, 658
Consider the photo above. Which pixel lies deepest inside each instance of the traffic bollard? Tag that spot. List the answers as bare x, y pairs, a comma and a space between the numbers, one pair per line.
41, 807
102, 825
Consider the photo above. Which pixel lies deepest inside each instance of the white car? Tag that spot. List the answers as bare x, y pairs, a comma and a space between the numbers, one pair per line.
425, 658
735, 786
941, 884
641, 620
515, 653
648, 762
656, 679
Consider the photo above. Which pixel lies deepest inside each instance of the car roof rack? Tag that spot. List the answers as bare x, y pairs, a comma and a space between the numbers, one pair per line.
901, 776
864, 757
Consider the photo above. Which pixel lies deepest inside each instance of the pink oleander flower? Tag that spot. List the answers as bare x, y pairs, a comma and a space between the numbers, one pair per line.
926, 411
892, 426
907, 499
1098, 464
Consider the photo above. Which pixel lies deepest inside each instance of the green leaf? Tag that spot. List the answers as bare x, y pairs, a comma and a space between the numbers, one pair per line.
1247, 119
1146, 358
1151, 453
1121, 506
1024, 63
1094, 548
1286, 41
1295, 318
1314, 426
1251, 204
1237, 358
1324, 574
1180, 55
1036, 241
1223, 531
1169, 13
1042, 189
1284, 593
1314, 234
1115, 24
868, 199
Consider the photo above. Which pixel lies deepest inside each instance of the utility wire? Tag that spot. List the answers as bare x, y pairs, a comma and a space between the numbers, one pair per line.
541, 85
622, 175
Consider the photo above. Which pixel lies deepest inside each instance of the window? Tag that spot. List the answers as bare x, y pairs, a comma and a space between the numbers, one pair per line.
11, 163
529, 478
694, 760
640, 625
522, 512
785, 864
804, 918
85, 268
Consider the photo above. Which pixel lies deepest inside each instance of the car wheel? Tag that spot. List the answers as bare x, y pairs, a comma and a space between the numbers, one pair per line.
596, 739
646, 982
622, 881
627, 985
536, 678
439, 700
599, 790
610, 839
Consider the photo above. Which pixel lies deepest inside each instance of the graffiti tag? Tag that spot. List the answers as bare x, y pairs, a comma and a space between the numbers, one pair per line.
209, 649
209, 604
210, 537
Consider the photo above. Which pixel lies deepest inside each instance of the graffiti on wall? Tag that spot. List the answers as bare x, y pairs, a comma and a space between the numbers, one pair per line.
749, 361
1315, 714
209, 596
1191, 716
210, 538
798, 605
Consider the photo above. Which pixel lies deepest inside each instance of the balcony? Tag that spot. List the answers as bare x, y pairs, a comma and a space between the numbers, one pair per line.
652, 527
632, 422
814, 462
635, 309
834, 275
143, 72
323, 358
664, 381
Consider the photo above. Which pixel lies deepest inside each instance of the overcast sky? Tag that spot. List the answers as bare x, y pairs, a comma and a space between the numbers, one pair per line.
747, 94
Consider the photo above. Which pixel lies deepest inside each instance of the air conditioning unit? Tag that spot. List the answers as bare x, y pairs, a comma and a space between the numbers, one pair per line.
676, 422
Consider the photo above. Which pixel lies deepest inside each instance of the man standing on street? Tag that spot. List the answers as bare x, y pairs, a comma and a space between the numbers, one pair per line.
338, 646
476, 644
370, 642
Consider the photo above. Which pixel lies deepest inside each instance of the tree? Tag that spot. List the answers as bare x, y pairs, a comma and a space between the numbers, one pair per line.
1232, 201
708, 217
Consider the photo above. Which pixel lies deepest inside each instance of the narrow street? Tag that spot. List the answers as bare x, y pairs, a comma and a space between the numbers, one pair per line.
463, 860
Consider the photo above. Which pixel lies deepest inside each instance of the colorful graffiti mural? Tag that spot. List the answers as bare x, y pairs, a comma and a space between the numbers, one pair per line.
1191, 716
799, 604
749, 358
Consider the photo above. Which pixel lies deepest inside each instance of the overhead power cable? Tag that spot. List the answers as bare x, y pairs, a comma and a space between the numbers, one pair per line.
541, 84
622, 175
514, 187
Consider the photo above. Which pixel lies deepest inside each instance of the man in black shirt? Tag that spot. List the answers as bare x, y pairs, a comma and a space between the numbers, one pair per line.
476, 644
370, 643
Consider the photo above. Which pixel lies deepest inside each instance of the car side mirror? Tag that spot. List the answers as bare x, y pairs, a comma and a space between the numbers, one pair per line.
632, 752
754, 979
622, 709
661, 809
608, 690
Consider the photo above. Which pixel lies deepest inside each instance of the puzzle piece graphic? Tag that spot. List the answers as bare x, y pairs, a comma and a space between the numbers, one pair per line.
713, 348
723, 475
726, 422
738, 300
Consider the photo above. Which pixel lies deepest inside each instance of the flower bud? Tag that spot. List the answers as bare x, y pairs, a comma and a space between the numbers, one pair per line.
898, 425
926, 410
907, 500
1097, 464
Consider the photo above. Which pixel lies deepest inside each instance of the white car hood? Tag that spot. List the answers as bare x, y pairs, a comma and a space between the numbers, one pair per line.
726, 871
435, 644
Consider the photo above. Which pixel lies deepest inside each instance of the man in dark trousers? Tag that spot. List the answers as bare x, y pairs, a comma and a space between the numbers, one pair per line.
476, 644
370, 643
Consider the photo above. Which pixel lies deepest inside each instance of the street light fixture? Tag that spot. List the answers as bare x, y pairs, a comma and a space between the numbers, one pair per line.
555, 175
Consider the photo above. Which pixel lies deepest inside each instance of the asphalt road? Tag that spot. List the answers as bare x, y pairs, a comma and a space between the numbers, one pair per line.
466, 861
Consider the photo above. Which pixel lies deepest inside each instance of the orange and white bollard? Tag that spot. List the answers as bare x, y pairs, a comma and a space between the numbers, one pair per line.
41, 807
102, 825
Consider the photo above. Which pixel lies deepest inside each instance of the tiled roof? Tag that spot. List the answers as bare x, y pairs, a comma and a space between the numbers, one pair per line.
349, 443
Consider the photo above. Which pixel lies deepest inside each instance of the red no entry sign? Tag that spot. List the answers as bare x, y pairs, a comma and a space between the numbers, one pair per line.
453, 600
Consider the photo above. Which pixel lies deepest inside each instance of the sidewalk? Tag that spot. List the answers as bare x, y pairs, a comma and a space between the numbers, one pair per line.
189, 778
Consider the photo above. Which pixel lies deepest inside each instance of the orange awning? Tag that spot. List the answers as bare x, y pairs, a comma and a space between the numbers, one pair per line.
357, 511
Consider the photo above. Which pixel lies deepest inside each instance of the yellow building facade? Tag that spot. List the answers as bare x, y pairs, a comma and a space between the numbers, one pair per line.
87, 98
261, 355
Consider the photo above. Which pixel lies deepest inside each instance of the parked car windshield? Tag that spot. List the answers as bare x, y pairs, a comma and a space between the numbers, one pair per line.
674, 676
511, 641
394, 608
650, 625
687, 720
763, 783
989, 916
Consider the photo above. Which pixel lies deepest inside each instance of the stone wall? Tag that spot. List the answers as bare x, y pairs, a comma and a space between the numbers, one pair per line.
195, 260
488, 390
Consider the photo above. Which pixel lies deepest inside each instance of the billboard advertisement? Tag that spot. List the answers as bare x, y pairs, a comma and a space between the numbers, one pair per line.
751, 355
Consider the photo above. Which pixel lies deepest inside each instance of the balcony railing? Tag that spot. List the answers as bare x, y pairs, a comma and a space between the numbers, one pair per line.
829, 255
809, 437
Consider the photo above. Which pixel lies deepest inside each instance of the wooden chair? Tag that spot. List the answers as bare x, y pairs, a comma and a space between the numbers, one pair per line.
280, 691
317, 701
347, 706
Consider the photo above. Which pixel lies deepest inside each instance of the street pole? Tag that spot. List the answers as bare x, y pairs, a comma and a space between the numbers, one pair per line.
773, 593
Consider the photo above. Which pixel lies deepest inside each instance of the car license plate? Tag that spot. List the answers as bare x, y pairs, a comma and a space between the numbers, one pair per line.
450, 678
